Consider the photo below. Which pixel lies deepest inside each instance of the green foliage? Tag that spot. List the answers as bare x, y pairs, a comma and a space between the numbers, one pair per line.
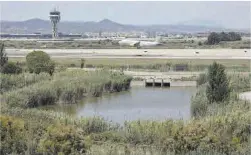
231, 36
240, 83
10, 82
218, 128
215, 38
39, 61
202, 79
50, 67
12, 135
11, 68
63, 140
28, 97
199, 103
68, 87
3, 57
200, 106
225, 134
218, 83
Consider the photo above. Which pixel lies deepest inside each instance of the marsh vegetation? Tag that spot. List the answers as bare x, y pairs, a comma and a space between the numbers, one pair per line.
217, 127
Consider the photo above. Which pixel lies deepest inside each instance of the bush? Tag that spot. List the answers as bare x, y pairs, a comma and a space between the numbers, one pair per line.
63, 140
218, 84
3, 57
12, 135
39, 61
11, 68
202, 79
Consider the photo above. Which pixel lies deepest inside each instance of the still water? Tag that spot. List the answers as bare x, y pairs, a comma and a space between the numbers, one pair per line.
137, 103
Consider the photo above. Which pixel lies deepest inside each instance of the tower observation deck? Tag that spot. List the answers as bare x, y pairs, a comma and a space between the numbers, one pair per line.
55, 18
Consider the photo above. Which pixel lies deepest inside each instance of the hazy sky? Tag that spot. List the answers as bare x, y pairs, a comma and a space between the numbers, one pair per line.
227, 14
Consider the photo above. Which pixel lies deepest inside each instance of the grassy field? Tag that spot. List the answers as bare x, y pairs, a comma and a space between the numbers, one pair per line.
154, 64
170, 44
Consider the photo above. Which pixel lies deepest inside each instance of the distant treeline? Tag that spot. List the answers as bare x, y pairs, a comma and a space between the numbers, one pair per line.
215, 38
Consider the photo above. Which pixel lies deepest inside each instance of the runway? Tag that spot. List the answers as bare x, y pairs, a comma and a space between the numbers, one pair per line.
139, 53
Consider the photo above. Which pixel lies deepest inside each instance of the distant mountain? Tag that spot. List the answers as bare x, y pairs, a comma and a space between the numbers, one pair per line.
44, 26
207, 23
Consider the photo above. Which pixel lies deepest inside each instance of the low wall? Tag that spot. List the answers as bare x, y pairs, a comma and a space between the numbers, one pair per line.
173, 83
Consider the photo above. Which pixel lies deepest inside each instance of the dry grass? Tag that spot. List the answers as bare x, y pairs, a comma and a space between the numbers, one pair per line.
194, 65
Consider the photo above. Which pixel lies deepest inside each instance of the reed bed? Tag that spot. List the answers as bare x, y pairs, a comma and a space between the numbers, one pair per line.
228, 134
67, 87
10, 82
223, 129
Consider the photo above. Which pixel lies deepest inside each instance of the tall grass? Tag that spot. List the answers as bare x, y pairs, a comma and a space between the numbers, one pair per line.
200, 106
10, 82
228, 134
67, 87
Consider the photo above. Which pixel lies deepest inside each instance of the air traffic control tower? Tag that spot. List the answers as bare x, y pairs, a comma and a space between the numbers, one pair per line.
55, 18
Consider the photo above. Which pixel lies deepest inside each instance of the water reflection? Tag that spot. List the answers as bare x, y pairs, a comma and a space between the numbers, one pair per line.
138, 103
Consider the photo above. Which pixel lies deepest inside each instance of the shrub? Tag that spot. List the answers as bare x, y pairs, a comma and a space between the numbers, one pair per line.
12, 135
200, 43
39, 61
202, 79
11, 68
63, 140
3, 57
218, 86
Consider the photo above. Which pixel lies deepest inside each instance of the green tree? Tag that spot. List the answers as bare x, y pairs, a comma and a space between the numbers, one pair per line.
39, 61
213, 38
218, 84
234, 36
3, 57
224, 36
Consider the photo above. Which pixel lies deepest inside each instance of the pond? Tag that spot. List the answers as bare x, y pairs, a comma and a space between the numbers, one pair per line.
138, 103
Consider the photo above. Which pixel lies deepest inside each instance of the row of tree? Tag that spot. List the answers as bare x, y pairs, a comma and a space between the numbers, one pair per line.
215, 38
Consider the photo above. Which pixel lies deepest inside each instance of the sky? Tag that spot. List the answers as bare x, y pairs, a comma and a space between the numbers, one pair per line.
226, 14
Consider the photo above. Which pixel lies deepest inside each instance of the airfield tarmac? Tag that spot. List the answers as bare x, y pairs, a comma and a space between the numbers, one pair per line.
140, 53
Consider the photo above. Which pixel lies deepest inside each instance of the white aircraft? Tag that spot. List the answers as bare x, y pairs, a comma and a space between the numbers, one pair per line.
139, 44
